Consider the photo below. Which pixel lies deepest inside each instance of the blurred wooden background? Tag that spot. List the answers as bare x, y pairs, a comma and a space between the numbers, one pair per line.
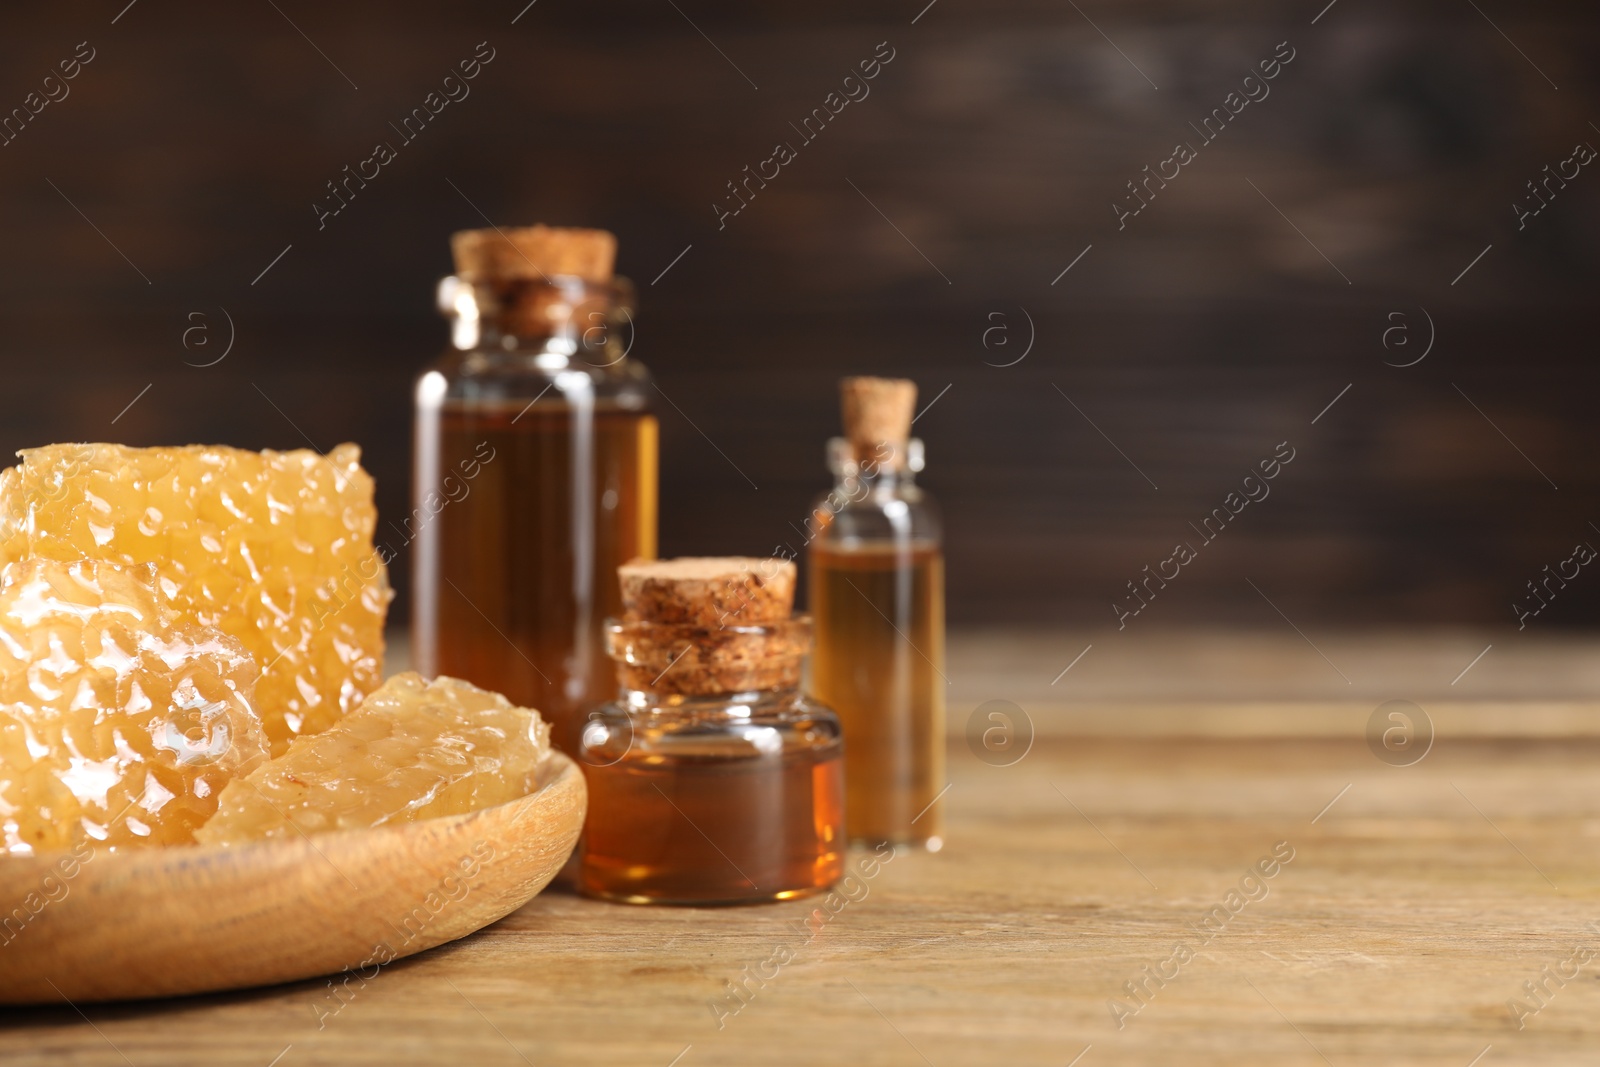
1196, 339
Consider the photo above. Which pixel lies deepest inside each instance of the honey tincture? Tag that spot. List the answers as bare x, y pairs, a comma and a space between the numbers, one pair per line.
712, 780
877, 597
535, 471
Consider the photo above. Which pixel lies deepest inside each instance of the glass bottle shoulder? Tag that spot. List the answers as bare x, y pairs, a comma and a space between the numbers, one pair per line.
854, 512
735, 726
488, 375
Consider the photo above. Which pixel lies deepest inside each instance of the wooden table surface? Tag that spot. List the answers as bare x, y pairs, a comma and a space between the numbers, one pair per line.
1417, 903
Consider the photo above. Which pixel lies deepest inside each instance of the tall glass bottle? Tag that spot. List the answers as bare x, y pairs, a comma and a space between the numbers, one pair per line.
535, 471
877, 597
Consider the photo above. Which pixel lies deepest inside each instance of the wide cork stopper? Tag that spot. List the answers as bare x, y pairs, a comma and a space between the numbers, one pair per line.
708, 591
698, 627
537, 252
877, 417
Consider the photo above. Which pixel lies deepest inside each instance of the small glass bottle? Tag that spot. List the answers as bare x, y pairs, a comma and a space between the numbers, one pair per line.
712, 780
877, 595
536, 457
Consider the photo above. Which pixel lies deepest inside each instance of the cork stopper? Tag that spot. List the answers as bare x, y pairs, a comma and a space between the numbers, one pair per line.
877, 412
708, 591
537, 252
704, 661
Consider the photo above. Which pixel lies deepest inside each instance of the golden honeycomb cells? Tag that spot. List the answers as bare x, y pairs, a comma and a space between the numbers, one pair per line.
120, 723
272, 548
413, 750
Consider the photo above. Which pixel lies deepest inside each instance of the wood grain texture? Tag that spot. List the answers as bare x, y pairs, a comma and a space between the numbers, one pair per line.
168, 921
1413, 909
1166, 682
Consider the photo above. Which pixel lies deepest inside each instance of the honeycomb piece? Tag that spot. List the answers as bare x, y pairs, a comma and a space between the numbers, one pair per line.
412, 750
118, 723
273, 548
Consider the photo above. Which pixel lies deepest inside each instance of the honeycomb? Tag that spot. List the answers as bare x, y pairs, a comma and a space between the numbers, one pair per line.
119, 724
273, 548
412, 750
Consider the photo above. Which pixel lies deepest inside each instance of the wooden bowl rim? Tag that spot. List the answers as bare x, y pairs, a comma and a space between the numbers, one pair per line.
557, 773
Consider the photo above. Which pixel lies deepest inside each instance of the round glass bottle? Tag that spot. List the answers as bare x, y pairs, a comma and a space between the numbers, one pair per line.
712, 779
535, 473
877, 594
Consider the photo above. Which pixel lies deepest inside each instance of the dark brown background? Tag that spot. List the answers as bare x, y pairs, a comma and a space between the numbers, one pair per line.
1196, 339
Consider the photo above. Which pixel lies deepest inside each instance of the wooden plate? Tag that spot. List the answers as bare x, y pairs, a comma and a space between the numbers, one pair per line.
167, 921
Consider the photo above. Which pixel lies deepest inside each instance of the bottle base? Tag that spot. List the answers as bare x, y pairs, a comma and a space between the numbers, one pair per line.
933, 843
622, 897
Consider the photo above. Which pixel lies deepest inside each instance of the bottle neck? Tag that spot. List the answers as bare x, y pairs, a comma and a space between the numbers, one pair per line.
561, 315
732, 707
881, 483
885, 469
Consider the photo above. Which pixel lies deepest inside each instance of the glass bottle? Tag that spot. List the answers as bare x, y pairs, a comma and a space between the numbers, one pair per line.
711, 797
535, 471
877, 595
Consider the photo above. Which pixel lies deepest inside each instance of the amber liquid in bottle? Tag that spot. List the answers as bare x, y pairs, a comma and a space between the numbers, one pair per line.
522, 557
732, 830
878, 662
